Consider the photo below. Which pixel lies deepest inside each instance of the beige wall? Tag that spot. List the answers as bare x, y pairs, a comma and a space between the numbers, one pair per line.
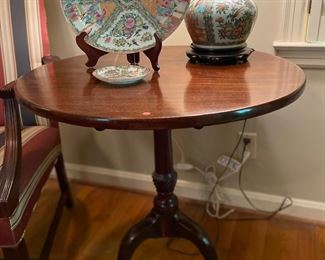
291, 141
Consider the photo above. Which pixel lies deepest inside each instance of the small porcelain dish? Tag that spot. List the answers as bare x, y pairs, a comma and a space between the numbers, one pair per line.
121, 74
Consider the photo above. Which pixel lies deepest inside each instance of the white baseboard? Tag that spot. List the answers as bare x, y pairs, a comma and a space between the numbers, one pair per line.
306, 209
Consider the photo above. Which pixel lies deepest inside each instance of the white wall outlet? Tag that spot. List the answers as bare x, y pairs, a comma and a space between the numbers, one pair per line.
252, 146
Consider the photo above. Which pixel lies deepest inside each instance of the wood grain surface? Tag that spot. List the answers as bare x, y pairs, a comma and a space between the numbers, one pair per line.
94, 228
180, 95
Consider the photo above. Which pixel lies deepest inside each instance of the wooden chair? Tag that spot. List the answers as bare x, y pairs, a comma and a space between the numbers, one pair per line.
29, 154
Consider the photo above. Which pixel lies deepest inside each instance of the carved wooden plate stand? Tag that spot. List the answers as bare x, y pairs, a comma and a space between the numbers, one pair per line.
94, 54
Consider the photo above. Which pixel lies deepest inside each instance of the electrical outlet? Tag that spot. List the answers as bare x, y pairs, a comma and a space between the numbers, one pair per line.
252, 146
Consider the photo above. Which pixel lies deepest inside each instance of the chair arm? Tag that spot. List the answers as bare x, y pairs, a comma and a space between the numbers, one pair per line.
11, 168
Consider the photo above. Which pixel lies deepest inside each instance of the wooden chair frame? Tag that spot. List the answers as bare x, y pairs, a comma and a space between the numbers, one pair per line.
11, 172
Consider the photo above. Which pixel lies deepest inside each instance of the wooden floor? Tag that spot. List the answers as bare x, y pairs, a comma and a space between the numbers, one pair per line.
94, 229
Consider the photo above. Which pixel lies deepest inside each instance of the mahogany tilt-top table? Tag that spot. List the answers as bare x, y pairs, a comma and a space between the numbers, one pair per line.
180, 95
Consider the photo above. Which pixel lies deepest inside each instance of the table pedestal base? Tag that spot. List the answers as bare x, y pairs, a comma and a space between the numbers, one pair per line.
165, 219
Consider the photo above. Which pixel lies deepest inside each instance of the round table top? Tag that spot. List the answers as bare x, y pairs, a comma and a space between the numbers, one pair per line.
180, 95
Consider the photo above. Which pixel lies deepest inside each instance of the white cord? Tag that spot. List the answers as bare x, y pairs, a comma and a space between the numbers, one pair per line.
211, 176
180, 149
216, 196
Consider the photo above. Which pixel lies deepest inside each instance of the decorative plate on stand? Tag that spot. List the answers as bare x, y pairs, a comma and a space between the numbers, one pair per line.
124, 25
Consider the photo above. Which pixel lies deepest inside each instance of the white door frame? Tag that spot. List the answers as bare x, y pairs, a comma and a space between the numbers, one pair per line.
7, 42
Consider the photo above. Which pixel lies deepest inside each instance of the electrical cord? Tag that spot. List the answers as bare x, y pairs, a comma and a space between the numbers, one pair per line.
210, 174
216, 200
270, 214
180, 149
215, 196
286, 202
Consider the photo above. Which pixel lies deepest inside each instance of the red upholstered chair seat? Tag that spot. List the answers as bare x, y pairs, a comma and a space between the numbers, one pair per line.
29, 149
41, 146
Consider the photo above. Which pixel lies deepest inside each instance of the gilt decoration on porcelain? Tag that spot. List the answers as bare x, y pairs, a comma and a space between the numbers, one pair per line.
124, 25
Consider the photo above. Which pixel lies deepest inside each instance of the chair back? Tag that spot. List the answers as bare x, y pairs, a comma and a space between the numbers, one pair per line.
29, 43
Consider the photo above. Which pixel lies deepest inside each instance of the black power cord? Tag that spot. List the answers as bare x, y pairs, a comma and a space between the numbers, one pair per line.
171, 240
269, 215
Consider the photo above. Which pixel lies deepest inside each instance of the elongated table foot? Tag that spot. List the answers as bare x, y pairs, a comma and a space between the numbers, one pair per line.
146, 228
176, 225
165, 219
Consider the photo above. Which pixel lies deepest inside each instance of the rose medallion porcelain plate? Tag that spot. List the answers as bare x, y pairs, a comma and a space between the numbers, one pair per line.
121, 74
124, 25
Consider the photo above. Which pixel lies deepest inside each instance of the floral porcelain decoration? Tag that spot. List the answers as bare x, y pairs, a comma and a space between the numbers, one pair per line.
220, 24
124, 25
121, 74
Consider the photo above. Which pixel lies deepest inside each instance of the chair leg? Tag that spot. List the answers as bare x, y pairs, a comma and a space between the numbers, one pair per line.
16, 253
63, 181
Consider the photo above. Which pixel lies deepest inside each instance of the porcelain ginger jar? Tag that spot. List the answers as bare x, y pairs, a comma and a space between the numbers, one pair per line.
220, 24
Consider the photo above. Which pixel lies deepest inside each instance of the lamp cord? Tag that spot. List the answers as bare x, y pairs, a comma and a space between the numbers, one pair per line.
214, 203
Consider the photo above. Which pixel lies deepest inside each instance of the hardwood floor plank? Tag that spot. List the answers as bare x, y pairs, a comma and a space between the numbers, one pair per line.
256, 241
306, 242
319, 236
240, 241
281, 240
94, 228
224, 237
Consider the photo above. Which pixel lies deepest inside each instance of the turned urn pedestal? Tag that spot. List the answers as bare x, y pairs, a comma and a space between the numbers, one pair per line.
219, 30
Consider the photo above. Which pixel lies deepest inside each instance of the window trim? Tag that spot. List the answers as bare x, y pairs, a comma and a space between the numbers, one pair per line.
315, 18
292, 44
7, 42
294, 22
34, 34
